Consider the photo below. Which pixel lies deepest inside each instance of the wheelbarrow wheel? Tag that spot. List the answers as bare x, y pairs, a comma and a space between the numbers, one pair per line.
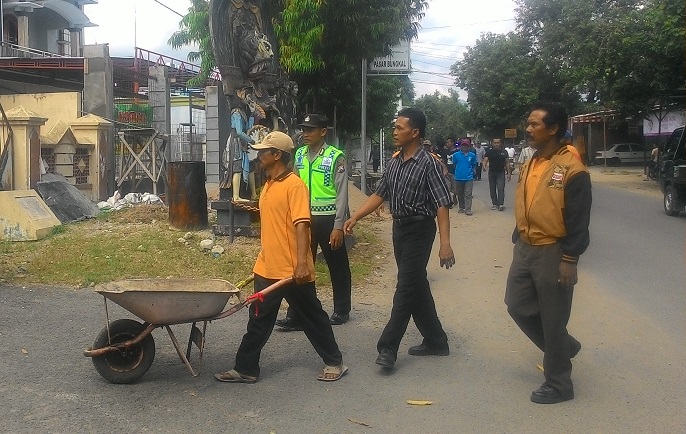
127, 365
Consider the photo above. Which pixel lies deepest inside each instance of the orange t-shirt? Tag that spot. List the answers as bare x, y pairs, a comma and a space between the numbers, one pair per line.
284, 202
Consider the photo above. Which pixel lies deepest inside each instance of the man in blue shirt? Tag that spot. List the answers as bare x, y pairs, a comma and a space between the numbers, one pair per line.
465, 163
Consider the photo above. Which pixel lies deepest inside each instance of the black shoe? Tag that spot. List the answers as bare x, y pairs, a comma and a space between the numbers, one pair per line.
339, 318
426, 350
576, 347
386, 359
548, 395
289, 325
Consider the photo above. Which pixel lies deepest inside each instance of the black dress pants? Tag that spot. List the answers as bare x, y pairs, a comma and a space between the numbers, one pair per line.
412, 244
303, 299
541, 308
336, 260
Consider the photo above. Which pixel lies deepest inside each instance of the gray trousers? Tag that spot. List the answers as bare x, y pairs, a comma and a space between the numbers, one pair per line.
541, 308
463, 191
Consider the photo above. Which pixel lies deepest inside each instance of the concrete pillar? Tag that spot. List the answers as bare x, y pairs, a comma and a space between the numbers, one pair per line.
23, 29
98, 95
26, 126
217, 130
91, 129
75, 39
160, 103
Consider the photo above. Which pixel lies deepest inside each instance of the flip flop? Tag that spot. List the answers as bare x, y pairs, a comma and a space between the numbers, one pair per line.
337, 371
234, 376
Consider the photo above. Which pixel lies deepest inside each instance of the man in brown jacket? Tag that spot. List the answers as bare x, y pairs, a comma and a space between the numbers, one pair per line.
552, 209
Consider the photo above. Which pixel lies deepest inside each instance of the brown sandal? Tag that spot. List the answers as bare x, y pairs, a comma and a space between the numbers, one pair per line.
234, 376
332, 373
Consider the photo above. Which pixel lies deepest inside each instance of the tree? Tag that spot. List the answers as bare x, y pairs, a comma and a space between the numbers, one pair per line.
503, 78
322, 45
654, 75
194, 28
447, 116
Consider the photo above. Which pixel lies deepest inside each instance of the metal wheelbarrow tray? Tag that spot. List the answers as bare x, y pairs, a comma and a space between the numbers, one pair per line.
125, 349
170, 301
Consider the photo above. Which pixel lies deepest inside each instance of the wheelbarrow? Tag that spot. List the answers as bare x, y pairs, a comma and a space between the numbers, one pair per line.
125, 349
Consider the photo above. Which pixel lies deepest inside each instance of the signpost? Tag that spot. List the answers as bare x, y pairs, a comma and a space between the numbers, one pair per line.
397, 63
510, 133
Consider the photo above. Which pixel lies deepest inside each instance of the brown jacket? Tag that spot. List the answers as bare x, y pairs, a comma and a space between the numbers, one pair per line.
560, 211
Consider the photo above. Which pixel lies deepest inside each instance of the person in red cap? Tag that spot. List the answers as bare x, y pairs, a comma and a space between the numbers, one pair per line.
285, 239
465, 164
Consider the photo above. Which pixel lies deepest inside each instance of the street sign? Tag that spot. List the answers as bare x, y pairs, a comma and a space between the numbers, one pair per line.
510, 133
398, 62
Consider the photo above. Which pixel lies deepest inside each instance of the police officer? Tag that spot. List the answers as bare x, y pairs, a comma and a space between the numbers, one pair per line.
323, 169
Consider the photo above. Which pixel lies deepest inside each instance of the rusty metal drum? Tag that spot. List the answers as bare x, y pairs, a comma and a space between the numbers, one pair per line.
186, 195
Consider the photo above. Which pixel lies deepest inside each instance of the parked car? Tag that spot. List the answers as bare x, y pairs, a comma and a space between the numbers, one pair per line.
622, 153
673, 173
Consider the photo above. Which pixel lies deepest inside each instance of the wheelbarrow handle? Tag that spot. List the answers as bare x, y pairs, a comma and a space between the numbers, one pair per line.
256, 296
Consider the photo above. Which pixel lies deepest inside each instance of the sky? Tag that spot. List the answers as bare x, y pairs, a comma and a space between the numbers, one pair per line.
447, 29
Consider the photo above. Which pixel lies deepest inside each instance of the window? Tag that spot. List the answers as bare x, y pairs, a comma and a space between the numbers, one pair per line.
81, 166
622, 148
673, 143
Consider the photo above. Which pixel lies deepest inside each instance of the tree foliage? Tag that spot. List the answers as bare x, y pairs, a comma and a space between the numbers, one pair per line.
626, 55
321, 45
194, 29
447, 116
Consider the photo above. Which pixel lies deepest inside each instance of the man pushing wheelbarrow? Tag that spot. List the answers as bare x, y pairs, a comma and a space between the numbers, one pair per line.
285, 238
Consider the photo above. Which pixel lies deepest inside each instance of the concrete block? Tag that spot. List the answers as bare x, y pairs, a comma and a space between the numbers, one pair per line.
212, 135
213, 158
212, 112
64, 159
25, 217
64, 170
212, 124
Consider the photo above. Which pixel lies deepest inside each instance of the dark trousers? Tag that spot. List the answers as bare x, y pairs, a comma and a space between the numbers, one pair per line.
541, 308
336, 260
479, 169
412, 244
496, 182
303, 299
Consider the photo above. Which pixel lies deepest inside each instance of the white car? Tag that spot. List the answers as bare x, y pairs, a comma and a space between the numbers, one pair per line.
621, 153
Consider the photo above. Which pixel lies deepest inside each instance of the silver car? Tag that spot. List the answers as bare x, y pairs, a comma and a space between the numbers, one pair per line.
621, 153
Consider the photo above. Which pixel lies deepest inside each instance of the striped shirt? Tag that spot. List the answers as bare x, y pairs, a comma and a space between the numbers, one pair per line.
414, 187
526, 155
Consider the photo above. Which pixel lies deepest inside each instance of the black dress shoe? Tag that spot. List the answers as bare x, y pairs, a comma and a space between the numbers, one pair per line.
339, 318
548, 395
386, 359
426, 350
289, 325
575, 348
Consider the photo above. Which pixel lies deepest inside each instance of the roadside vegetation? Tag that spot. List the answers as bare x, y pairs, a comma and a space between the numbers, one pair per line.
139, 243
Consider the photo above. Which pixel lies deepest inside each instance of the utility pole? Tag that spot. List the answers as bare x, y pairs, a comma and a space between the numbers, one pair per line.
363, 129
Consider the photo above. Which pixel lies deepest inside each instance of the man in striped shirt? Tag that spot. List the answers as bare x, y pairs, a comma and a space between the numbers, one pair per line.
417, 192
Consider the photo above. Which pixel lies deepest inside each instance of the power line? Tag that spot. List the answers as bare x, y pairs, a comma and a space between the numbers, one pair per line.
433, 56
466, 24
433, 82
167, 7
432, 64
438, 74
436, 43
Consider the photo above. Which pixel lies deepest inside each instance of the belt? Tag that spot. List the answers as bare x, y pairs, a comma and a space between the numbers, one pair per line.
412, 219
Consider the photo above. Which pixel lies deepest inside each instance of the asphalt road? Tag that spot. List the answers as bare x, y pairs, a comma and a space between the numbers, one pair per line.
629, 376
